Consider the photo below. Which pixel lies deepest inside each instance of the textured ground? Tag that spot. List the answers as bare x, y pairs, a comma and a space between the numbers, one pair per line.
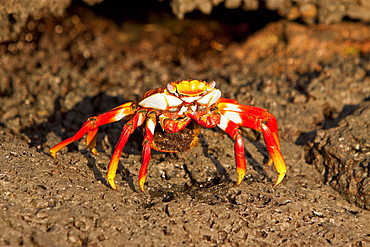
14, 14
62, 70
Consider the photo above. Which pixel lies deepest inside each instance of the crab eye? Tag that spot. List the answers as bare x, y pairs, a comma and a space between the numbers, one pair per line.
212, 85
170, 88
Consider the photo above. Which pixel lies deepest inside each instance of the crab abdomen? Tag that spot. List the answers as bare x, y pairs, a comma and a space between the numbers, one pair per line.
180, 141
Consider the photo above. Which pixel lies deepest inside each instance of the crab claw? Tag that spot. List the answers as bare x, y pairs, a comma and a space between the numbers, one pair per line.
209, 120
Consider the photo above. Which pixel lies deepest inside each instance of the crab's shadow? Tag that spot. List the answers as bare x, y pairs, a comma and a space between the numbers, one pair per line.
250, 160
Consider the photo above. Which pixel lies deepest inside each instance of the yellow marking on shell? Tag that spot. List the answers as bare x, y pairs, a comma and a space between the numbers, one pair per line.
191, 87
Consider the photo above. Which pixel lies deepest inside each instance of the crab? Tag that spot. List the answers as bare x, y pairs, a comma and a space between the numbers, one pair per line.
171, 117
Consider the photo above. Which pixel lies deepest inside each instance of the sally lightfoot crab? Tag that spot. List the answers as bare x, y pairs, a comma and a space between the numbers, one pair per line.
180, 108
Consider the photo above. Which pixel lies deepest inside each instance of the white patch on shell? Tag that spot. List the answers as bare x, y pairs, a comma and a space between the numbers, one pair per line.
233, 116
160, 101
210, 98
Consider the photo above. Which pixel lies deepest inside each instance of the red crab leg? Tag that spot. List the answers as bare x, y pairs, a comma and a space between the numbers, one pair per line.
127, 130
147, 150
253, 117
234, 132
90, 127
273, 127
275, 153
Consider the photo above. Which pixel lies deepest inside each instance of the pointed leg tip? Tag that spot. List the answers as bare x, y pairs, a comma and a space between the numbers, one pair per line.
112, 184
94, 151
241, 175
240, 180
53, 154
142, 189
279, 179
142, 184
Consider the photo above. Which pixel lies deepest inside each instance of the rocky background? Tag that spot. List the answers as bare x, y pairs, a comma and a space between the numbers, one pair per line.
64, 61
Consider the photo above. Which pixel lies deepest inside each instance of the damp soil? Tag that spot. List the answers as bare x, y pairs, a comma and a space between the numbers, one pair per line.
63, 70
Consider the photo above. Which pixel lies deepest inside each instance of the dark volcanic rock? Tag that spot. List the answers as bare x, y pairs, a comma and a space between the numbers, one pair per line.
309, 11
342, 155
61, 70
14, 14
